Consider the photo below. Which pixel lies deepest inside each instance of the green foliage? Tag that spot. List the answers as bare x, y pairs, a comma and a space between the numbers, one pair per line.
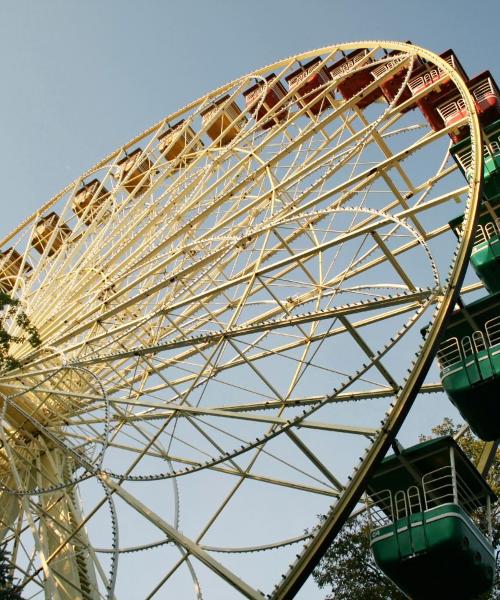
8, 590
11, 313
348, 569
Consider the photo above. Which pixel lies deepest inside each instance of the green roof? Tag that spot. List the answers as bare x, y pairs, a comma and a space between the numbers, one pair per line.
402, 470
473, 316
479, 312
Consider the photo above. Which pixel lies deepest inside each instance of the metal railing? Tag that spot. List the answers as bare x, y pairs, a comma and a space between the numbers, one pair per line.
487, 231
455, 350
478, 342
483, 90
490, 149
493, 331
417, 83
495, 145
422, 81
452, 110
414, 499
379, 71
449, 353
464, 157
445, 485
348, 65
438, 487
380, 507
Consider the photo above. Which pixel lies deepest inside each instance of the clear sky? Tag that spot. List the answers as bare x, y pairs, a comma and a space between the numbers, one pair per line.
80, 78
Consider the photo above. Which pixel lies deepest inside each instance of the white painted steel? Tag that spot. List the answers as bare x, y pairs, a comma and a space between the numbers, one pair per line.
224, 333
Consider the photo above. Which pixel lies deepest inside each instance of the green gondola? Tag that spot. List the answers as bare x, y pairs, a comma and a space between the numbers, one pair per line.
485, 254
461, 152
485, 257
425, 505
469, 357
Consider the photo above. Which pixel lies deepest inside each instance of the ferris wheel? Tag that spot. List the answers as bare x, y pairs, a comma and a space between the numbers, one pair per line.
230, 308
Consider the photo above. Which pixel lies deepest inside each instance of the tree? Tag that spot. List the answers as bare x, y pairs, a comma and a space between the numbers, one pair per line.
10, 312
348, 568
8, 590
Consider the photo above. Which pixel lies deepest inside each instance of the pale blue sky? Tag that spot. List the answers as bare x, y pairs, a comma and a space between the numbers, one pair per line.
81, 77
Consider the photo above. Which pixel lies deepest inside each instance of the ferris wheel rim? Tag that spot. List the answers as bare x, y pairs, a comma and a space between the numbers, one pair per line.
293, 580
403, 402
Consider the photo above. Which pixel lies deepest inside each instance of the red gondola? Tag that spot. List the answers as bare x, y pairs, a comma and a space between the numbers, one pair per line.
11, 266
259, 107
176, 139
391, 85
431, 75
223, 120
308, 81
134, 172
47, 228
451, 108
362, 77
92, 195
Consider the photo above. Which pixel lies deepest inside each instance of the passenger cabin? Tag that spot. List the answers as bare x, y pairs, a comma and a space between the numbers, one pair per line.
89, 200
261, 98
134, 172
11, 267
462, 154
50, 233
223, 120
430, 76
451, 108
360, 65
308, 82
423, 507
391, 85
485, 254
469, 358
177, 140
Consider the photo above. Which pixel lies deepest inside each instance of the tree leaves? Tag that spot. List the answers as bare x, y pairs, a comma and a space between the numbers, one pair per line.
349, 569
8, 590
11, 313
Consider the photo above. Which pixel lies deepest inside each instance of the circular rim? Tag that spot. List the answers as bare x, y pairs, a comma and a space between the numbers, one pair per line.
310, 556
322, 536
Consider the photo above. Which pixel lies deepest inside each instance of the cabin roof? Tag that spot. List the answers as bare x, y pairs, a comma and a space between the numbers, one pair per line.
216, 103
128, 156
397, 471
473, 316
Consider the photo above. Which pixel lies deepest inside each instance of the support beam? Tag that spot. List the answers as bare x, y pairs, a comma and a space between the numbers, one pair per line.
190, 546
